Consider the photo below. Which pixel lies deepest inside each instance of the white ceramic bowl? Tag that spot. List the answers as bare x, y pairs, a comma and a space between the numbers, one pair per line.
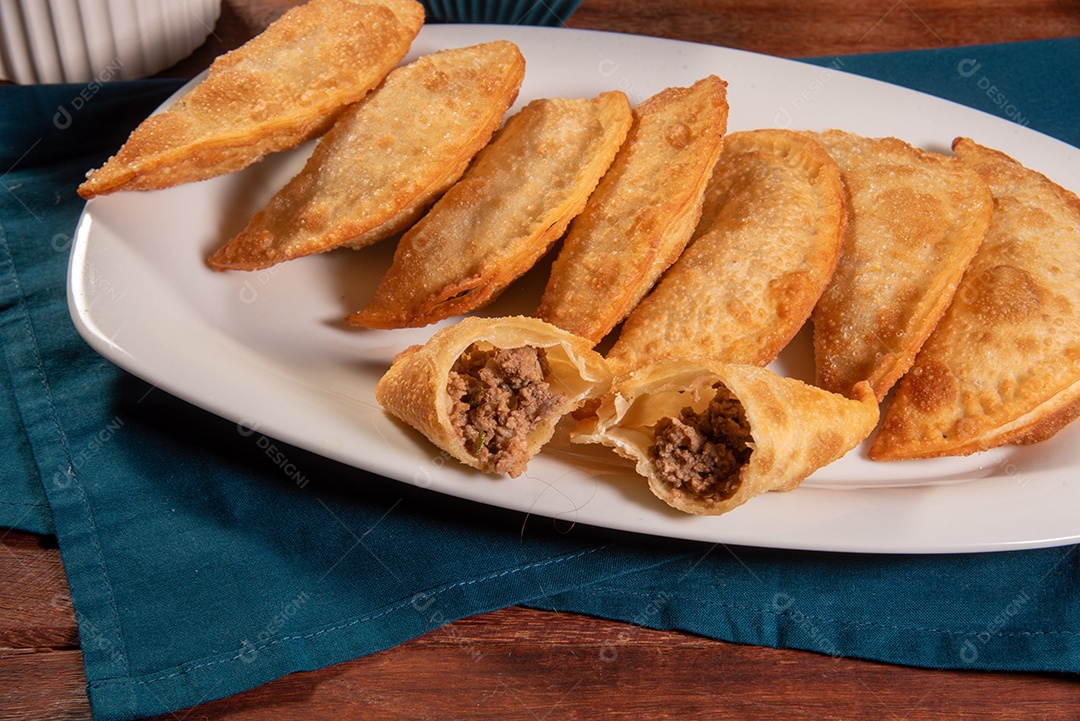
82, 41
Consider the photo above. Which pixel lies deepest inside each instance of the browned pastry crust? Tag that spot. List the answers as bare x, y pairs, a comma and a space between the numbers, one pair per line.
282, 87
508, 209
1003, 366
915, 221
764, 250
642, 213
387, 159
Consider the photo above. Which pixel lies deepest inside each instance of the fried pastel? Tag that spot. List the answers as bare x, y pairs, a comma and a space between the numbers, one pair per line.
282, 87
642, 213
489, 391
915, 219
1003, 366
508, 209
386, 159
771, 228
710, 436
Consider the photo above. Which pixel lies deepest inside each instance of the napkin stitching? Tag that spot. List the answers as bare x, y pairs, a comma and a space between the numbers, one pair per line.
365, 619
22, 504
39, 367
841, 622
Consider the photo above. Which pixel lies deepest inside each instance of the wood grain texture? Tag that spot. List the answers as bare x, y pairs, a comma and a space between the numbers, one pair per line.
774, 27
35, 605
42, 686
834, 27
519, 663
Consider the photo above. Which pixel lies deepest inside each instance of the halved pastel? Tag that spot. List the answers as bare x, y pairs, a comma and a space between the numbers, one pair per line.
489, 391
710, 436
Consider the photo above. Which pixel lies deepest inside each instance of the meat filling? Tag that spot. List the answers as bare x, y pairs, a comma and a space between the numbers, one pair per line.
499, 398
703, 453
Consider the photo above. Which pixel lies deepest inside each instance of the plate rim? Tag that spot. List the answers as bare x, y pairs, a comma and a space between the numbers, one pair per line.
107, 347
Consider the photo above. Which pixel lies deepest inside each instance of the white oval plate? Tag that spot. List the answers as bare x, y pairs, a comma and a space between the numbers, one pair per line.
270, 350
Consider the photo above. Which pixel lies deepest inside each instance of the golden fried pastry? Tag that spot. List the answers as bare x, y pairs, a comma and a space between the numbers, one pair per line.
915, 221
710, 436
489, 391
642, 213
386, 159
514, 202
1003, 366
766, 246
281, 88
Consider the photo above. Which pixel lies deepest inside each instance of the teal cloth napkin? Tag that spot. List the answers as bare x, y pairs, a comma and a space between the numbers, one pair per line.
551, 13
199, 568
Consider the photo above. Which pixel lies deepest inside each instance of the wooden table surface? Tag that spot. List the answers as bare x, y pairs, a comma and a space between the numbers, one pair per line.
520, 663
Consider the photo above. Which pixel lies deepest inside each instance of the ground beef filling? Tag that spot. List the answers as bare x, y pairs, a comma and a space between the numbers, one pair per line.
702, 453
499, 397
